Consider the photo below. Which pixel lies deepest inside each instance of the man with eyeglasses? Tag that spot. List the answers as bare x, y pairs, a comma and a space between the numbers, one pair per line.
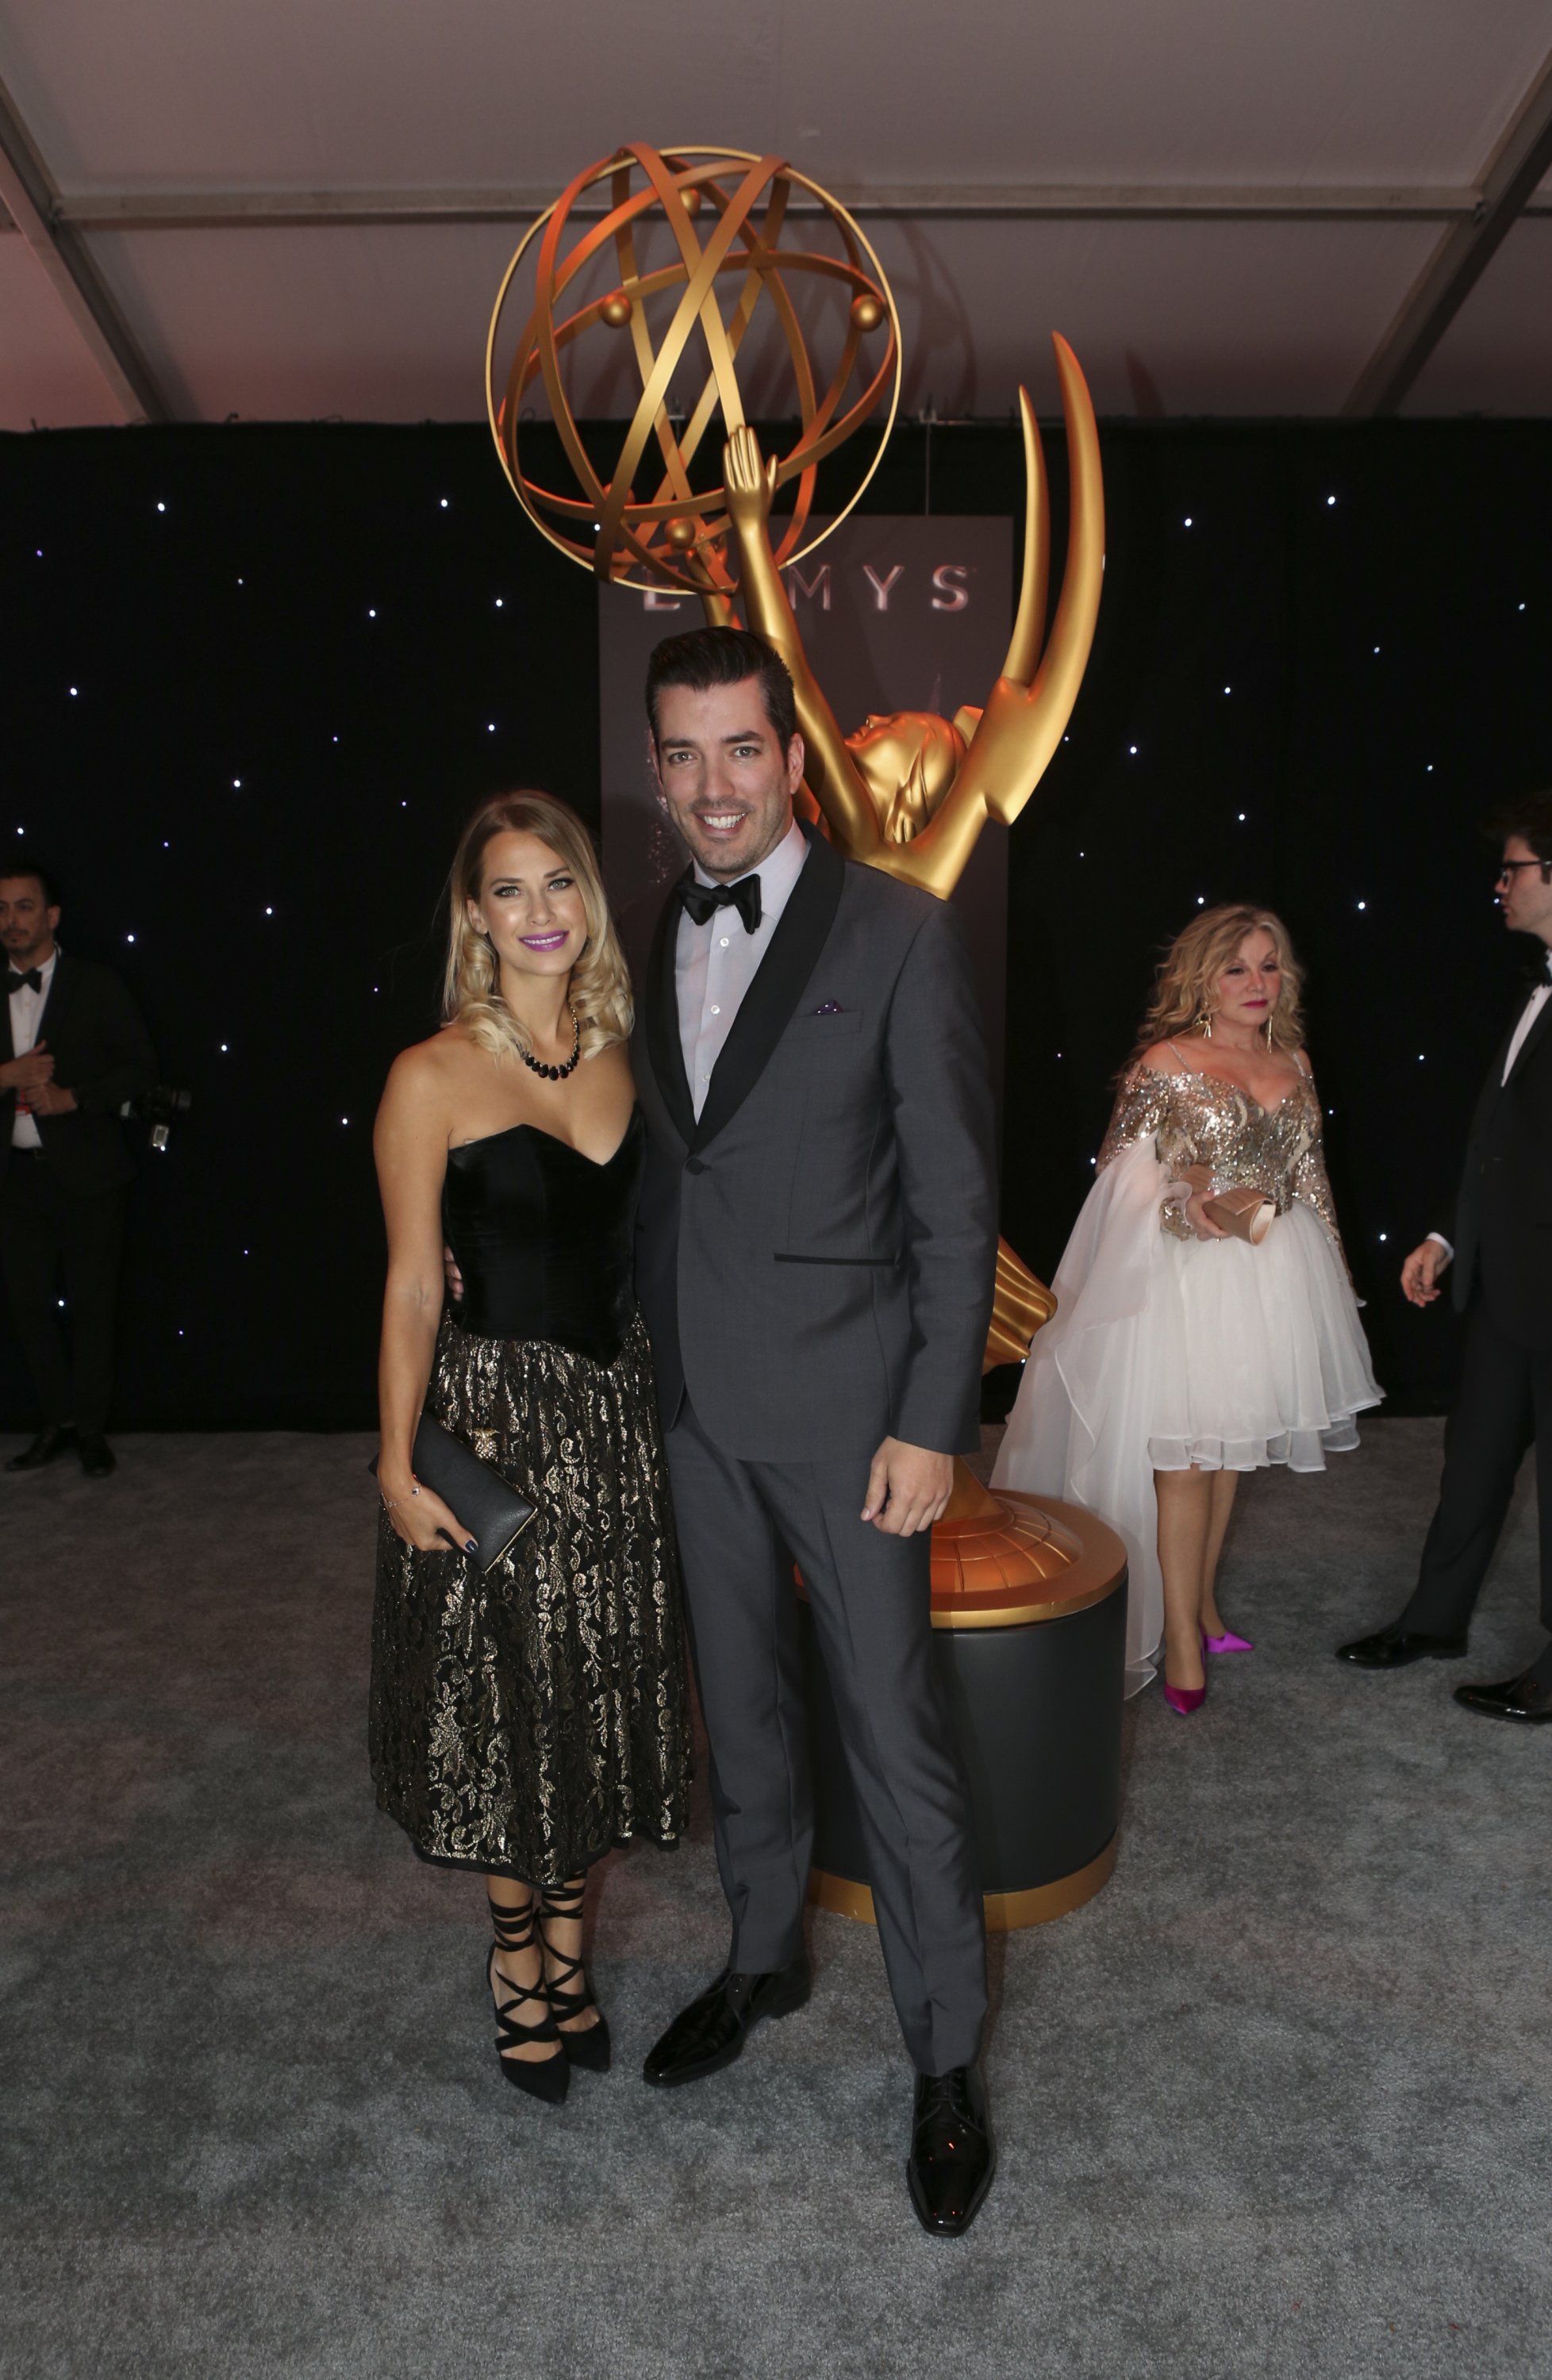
1500, 1248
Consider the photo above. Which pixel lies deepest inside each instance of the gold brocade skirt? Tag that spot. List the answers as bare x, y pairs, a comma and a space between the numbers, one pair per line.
525, 1721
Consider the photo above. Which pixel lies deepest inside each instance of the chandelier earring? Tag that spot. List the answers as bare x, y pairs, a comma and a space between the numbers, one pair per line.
1203, 1025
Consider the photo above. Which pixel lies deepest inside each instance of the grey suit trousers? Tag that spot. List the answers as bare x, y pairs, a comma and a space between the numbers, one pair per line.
741, 1524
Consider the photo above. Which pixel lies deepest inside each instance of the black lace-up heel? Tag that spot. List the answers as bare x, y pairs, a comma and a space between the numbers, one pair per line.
570, 1993
541, 2078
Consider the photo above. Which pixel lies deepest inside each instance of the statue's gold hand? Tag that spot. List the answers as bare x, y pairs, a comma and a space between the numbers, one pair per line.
748, 478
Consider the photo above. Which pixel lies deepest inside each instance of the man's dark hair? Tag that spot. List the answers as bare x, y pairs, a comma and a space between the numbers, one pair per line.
1531, 817
706, 658
42, 875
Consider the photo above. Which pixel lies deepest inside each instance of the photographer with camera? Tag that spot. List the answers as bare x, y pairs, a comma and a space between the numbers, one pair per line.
73, 1049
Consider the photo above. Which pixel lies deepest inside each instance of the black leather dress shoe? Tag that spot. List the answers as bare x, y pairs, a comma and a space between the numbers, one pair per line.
98, 1458
1392, 1648
47, 1447
1527, 1698
953, 2159
711, 2032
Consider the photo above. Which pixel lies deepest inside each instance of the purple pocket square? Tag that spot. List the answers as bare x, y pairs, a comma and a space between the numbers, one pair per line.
829, 1008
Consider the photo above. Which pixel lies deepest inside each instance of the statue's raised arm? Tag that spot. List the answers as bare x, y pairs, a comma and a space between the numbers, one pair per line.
829, 772
910, 794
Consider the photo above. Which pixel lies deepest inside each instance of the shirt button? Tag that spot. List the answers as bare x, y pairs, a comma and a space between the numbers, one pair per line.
724, 943
716, 1012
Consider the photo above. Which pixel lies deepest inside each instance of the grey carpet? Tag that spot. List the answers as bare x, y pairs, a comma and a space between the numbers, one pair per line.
1274, 2103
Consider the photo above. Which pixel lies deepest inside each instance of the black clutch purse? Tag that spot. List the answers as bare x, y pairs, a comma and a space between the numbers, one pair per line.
491, 1511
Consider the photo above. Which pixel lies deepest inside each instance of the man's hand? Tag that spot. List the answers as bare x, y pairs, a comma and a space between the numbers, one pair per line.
1420, 1272
453, 1276
25, 1073
749, 483
50, 1098
908, 1488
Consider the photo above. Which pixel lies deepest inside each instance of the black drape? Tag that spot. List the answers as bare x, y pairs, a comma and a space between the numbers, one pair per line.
228, 603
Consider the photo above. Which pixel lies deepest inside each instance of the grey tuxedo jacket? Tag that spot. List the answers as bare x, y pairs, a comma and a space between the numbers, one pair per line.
816, 1255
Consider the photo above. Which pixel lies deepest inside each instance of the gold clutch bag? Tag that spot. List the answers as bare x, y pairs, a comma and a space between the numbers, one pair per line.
1245, 1214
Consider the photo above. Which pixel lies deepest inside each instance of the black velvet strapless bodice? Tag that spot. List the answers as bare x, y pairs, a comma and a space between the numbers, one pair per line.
543, 1238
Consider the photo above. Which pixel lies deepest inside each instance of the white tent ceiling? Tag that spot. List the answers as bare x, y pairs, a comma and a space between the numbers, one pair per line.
1229, 207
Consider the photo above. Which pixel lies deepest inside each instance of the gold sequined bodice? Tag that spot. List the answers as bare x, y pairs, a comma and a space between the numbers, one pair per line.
1196, 1119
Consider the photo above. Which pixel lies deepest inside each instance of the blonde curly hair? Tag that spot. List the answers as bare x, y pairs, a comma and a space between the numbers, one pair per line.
600, 989
1189, 970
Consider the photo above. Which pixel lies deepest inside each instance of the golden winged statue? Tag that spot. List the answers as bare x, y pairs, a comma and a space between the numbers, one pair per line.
911, 792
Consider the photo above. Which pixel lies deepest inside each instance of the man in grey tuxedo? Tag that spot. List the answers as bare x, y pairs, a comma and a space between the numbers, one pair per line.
815, 1259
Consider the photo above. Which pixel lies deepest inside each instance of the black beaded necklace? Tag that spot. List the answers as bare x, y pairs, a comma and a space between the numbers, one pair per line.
559, 1073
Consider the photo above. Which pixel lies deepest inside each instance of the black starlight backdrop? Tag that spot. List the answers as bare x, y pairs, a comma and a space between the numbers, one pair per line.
257, 675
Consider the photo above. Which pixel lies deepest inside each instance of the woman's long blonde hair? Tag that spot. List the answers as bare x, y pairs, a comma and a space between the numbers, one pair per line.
600, 992
1189, 970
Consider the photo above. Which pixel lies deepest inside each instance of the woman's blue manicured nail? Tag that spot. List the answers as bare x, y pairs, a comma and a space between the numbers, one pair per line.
471, 1546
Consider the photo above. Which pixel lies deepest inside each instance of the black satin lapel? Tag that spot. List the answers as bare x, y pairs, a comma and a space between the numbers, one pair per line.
1532, 1040
765, 1008
664, 1048
62, 984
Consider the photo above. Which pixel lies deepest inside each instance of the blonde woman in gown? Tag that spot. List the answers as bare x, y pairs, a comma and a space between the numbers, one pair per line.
527, 1718
1180, 1356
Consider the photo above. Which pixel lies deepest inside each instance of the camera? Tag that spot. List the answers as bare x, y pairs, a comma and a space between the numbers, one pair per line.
157, 1106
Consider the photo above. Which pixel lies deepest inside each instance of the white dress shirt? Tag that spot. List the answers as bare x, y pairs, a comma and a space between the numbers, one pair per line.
715, 963
1532, 1009
27, 1006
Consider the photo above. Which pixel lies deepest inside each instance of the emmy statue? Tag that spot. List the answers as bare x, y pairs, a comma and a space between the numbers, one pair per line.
908, 794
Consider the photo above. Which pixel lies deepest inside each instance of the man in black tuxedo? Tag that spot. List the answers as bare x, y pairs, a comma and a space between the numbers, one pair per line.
1499, 1246
815, 1258
73, 1050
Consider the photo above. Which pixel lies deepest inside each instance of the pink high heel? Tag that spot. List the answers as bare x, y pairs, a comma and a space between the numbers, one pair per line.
1184, 1699
1226, 1642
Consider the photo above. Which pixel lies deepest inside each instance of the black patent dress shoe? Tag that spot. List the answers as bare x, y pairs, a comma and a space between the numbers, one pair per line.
47, 1447
711, 2032
1392, 1648
1527, 1698
98, 1458
952, 2157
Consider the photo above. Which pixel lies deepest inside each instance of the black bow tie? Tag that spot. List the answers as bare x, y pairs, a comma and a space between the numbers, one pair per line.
700, 900
34, 978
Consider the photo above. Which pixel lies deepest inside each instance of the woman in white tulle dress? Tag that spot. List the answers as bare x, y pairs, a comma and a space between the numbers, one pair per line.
1182, 1355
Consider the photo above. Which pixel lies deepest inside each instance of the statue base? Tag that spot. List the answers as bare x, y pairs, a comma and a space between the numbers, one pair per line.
1029, 1627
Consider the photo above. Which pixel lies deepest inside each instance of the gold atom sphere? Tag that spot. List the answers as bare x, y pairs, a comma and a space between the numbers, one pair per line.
642, 522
